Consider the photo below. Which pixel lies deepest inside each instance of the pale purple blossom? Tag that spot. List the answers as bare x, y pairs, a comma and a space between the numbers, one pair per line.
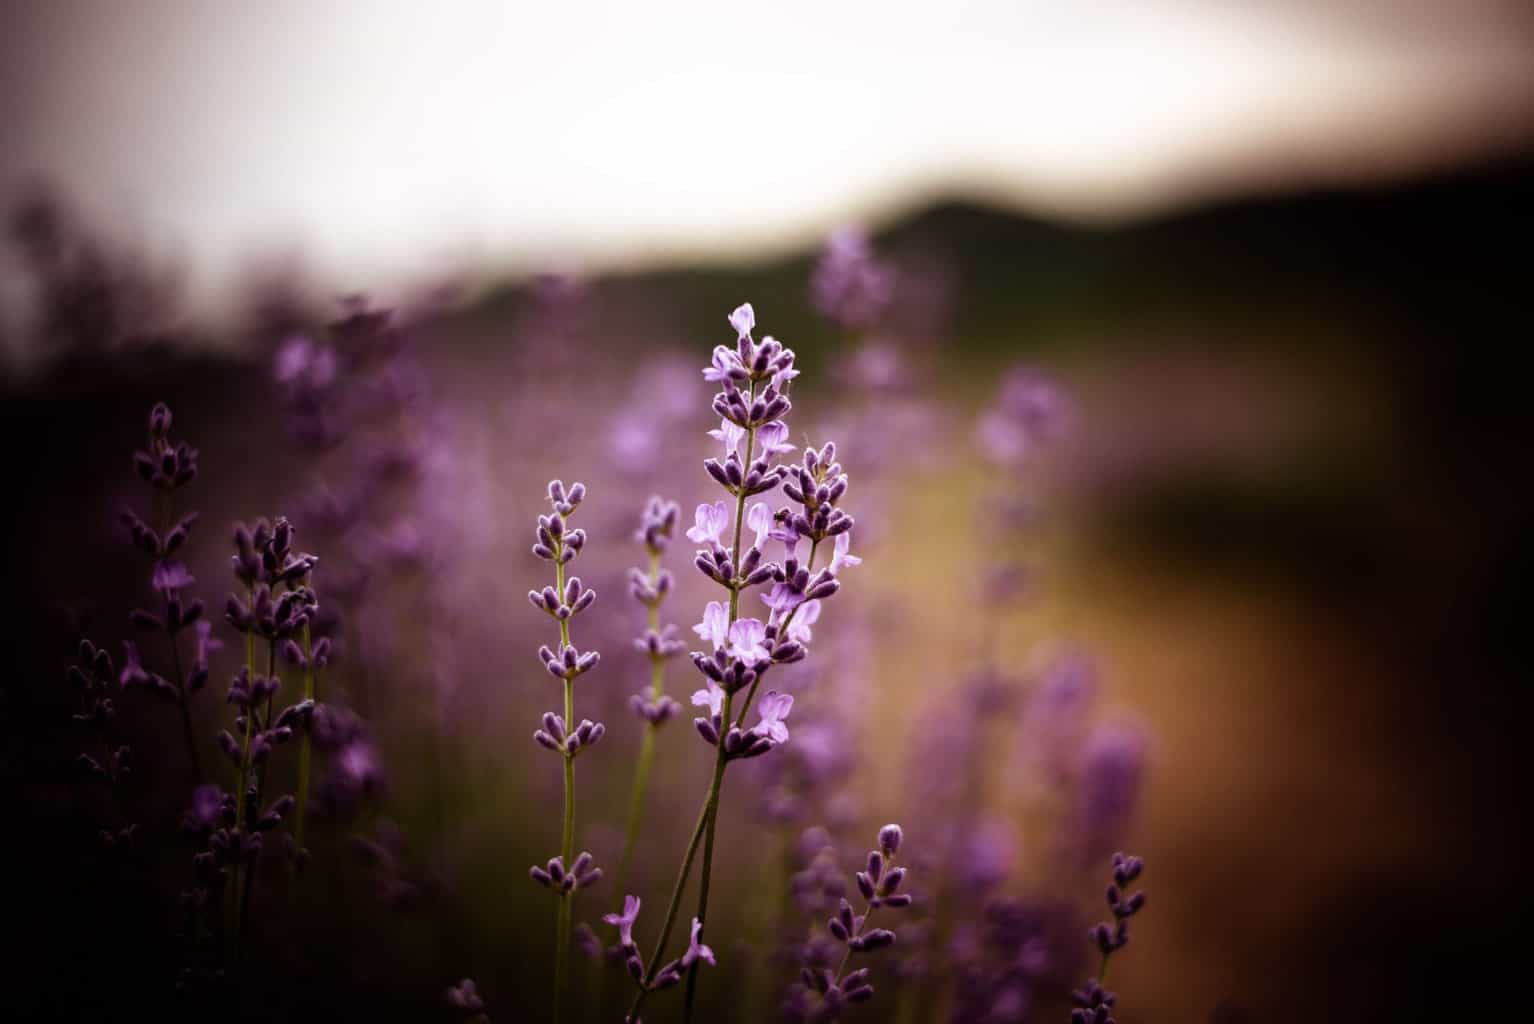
715, 626
709, 523
748, 641
842, 555
724, 361
771, 439
711, 697
799, 629
774, 708
759, 519
170, 576
730, 435
696, 950
624, 922
743, 319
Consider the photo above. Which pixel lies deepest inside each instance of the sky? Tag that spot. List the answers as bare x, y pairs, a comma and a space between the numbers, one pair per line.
382, 140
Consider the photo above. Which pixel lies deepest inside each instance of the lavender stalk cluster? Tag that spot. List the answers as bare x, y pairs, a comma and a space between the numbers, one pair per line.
278, 606
1094, 1003
167, 466
754, 378
824, 992
94, 681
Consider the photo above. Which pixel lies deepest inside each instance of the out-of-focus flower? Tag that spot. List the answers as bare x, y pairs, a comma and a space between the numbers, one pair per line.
849, 286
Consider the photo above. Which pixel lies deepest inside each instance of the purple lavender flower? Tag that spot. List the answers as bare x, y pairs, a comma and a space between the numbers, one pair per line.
107, 761
624, 922
1094, 1003
822, 992
849, 286
567, 598
773, 709
1030, 412
754, 378
167, 466
465, 998
650, 588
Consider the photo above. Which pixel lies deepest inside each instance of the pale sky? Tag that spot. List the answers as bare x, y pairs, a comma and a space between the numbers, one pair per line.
381, 139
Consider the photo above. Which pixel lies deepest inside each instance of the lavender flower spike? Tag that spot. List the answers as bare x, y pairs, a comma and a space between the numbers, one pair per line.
650, 588
821, 993
557, 542
167, 466
754, 378
1094, 1003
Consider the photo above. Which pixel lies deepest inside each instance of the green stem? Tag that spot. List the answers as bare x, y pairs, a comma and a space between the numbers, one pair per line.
236, 889
646, 746
567, 839
676, 897
250, 872
719, 759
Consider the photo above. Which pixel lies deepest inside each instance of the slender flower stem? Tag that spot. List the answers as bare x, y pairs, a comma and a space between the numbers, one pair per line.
720, 759
676, 893
250, 872
183, 699
567, 841
237, 889
646, 745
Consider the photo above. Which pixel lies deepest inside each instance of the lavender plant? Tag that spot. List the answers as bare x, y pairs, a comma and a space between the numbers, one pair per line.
279, 604
659, 644
567, 598
167, 466
110, 762
754, 379
824, 992
1094, 1003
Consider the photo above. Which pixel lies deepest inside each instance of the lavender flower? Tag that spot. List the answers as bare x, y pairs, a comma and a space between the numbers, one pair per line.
754, 378
849, 286
1094, 1004
109, 762
650, 588
567, 598
167, 466
465, 998
823, 993
279, 605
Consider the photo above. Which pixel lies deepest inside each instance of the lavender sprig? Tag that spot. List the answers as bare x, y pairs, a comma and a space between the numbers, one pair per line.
167, 466
650, 588
1094, 1003
94, 679
754, 378
567, 598
464, 997
824, 993
279, 604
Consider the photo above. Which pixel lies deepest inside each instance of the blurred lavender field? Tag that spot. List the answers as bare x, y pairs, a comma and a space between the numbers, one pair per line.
1193, 536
